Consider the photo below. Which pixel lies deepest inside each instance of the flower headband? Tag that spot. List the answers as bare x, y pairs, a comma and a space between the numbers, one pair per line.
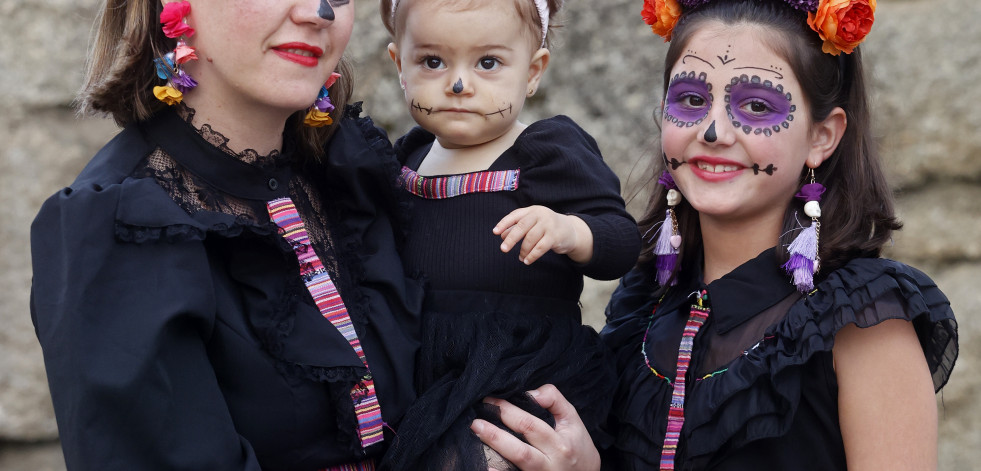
543, 13
842, 24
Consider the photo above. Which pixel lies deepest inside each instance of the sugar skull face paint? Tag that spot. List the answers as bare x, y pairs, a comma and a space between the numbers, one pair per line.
728, 90
710, 134
758, 106
688, 100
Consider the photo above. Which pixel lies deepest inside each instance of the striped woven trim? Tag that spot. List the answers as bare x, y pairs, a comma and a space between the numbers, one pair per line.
328, 300
456, 185
676, 414
362, 466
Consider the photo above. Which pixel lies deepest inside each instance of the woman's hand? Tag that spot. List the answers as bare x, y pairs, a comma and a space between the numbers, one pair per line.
567, 447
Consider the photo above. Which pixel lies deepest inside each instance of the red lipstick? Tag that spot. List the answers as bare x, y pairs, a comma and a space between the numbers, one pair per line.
718, 170
300, 53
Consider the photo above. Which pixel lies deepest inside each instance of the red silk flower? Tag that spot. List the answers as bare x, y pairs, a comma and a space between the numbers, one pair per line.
172, 18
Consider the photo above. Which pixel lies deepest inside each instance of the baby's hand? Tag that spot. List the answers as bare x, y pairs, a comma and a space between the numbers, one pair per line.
542, 230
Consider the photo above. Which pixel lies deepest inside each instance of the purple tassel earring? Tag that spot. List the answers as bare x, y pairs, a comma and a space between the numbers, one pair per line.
668, 239
804, 261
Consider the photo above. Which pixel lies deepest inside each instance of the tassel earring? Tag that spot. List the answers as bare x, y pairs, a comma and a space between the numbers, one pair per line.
804, 260
319, 114
169, 67
668, 240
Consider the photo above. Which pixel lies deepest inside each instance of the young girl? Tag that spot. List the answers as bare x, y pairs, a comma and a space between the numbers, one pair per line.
220, 288
757, 343
495, 322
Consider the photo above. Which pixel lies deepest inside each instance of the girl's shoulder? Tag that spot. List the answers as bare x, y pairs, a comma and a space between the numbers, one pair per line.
764, 384
868, 291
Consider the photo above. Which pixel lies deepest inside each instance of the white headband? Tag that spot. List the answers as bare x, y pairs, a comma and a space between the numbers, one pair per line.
542, 6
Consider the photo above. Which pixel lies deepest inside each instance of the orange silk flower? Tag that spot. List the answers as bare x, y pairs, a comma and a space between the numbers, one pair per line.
842, 24
662, 15
316, 118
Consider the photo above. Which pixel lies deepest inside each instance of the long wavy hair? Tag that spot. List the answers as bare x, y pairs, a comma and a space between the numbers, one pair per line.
857, 209
120, 74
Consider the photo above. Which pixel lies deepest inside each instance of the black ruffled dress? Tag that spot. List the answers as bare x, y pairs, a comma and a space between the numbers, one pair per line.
761, 390
176, 329
493, 326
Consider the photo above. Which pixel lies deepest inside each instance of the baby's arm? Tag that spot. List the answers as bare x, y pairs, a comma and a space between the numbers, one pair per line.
540, 229
562, 170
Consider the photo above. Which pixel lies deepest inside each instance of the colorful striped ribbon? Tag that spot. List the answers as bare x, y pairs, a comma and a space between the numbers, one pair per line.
368, 465
328, 300
456, 185
676, 414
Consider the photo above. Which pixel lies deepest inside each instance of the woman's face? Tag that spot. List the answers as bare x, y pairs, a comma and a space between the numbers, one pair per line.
736, 131
266, 56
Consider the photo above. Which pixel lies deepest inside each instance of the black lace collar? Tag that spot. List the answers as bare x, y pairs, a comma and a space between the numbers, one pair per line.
217, 167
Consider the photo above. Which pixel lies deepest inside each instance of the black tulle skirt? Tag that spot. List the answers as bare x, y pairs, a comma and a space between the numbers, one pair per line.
477, 345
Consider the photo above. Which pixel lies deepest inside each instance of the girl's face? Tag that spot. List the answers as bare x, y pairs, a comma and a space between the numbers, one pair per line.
736, 132
466, 72
266, 56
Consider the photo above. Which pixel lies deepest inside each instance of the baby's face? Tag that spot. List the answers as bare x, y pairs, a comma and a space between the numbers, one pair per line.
466, 71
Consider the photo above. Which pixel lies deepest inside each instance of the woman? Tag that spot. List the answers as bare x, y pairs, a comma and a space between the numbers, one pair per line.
745, 339
220, 287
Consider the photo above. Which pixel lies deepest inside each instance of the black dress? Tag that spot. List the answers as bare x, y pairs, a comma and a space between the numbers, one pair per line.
761, 389
176, 329
493, 326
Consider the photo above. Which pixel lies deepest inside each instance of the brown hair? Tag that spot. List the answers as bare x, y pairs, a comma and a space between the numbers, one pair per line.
120, 74
526, 11
858, 216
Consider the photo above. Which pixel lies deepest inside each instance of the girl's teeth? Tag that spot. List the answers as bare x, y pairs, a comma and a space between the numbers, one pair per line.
717, 168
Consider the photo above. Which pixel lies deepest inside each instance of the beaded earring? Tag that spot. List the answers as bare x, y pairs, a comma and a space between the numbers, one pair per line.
804, 260
668, 239
174, 23
319, 114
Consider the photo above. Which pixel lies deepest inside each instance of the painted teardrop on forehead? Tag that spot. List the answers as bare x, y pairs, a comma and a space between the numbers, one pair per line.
326, 12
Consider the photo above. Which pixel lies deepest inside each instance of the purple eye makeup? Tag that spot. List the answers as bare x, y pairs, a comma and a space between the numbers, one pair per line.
758, 106
688, 100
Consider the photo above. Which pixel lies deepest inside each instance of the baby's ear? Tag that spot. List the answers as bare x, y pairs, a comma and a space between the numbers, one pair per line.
393, 52
539, 62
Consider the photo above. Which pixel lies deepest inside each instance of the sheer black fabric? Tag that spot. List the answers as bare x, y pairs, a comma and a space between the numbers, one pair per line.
762, 393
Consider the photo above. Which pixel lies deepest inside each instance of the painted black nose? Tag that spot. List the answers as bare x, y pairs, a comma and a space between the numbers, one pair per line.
326, 12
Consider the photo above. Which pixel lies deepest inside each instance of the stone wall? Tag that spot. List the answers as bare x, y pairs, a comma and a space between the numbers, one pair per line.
924, 56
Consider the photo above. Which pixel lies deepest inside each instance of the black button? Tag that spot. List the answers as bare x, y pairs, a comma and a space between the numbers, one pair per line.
273, 184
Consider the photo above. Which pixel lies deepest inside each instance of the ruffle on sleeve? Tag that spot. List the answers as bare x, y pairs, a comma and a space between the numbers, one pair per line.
759, 394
